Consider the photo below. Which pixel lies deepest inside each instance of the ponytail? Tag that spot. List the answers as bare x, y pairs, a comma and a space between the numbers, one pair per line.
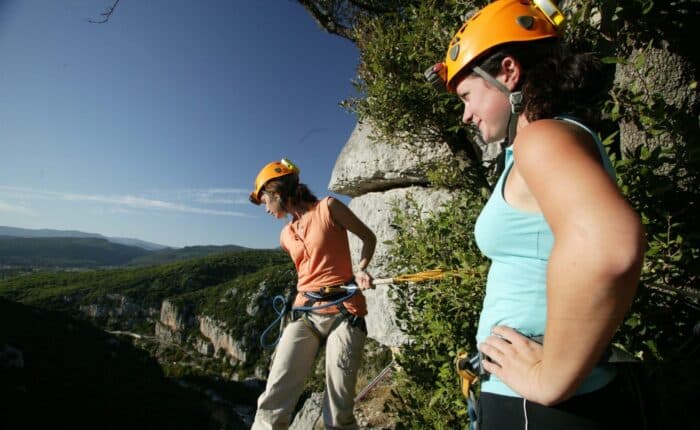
290, 190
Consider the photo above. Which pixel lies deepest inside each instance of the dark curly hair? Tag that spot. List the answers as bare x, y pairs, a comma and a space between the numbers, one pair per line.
290, 190
553, 80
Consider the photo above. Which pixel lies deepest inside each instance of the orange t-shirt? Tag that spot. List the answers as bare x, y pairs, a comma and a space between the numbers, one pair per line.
321, 253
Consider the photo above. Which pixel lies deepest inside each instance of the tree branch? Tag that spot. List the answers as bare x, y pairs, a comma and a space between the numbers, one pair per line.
327, 20
338, 16
106, 14
375, 8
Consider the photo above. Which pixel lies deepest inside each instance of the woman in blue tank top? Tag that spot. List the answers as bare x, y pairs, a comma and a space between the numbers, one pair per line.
565, 246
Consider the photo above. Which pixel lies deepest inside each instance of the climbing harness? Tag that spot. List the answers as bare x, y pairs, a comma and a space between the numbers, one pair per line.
279, 304
469, 371
333, 296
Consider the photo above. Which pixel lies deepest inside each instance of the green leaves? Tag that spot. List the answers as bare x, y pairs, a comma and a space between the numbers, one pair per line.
395, 50
439, 317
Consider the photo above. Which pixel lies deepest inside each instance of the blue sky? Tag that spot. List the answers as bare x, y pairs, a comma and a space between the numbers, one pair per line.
154, 125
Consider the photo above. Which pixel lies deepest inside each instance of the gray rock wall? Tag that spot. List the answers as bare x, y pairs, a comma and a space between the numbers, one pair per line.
380, 176
365, 165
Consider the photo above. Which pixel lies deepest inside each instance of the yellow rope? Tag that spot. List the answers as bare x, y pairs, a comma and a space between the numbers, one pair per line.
427, 275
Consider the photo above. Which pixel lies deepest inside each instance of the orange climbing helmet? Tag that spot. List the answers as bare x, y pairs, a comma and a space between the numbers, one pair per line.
500, 22
273, 170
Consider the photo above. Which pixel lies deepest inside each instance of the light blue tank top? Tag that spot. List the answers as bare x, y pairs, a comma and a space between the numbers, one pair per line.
518, 244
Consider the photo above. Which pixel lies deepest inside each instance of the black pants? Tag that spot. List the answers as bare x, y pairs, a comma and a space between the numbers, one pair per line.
618, 405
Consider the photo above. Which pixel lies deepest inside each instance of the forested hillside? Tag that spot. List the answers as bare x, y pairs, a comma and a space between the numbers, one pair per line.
68, 252
56, 323
177, 254
66, 373
147, 286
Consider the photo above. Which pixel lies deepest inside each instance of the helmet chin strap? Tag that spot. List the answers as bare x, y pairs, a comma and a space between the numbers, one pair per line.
515, 98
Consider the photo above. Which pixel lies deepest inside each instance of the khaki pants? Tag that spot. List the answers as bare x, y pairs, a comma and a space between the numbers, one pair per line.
292, 363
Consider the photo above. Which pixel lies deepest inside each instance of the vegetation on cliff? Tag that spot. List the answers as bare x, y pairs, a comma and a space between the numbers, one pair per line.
234, 289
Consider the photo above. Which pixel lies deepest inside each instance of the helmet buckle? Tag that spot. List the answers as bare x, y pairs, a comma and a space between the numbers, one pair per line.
516, 102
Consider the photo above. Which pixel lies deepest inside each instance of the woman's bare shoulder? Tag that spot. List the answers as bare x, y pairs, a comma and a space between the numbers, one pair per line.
549, 140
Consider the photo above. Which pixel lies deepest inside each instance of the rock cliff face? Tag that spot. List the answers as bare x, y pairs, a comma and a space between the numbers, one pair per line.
222, 338
174, 318
115, 309
379, 176
366, 164
173, 322
216, 337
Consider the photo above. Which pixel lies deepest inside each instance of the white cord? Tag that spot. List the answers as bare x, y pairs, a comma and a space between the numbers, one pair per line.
525, 411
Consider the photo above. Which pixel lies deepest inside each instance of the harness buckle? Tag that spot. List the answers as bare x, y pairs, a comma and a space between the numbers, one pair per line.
464, 370
334, 289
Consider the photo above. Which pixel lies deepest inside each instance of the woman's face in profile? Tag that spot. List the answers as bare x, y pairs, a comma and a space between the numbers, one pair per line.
485, 107
273, 204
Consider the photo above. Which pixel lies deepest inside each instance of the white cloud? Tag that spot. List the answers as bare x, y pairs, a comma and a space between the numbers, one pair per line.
123, 201
217, 196
16, 209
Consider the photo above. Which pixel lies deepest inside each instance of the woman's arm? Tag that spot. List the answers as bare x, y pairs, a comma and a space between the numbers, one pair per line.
344, 217
593, 270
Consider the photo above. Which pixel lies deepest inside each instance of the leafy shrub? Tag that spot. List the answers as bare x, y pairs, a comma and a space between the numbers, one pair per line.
438, 316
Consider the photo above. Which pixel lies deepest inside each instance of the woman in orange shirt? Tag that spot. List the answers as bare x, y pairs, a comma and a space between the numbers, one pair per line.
316, 239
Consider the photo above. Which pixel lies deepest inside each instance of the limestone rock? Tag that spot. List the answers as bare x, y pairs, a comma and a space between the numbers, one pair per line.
175, 318
366, 164
204, 347
309, 417
374, 209
254, 303
166, 334
117, 310
667, 74
221, 338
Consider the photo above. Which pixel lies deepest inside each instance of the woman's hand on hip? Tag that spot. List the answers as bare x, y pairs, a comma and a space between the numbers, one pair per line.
514, 359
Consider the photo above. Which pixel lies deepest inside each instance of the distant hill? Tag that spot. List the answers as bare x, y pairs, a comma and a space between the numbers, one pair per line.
25, 232
65, 252
70, 249
150, 246
186, 253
